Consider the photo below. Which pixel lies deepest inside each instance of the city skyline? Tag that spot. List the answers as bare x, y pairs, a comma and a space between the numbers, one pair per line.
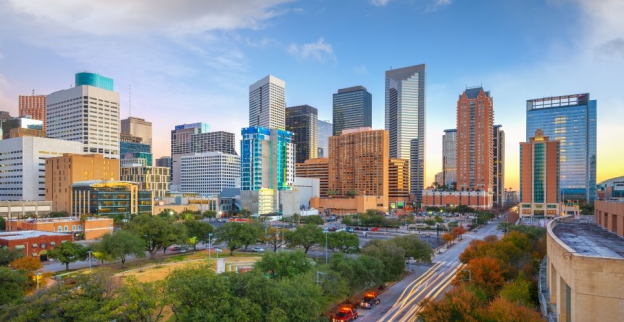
203, 72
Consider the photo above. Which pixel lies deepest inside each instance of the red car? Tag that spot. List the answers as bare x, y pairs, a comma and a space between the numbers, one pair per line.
345, 314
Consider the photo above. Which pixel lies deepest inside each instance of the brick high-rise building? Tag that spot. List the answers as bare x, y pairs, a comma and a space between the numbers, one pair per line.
34, 106
359, 163
61, 172
315, 168
138, 127
398, 182
475, 124
539, 176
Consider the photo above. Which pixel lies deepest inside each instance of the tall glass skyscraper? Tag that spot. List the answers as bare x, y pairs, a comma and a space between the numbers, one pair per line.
352, 108
449, 157
302, 121
324, 132
267, 159
571, 119
405, 120
267, 103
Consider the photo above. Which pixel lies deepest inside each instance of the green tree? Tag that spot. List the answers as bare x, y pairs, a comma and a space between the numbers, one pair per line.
210, 214
13, 284
284, 264
2, 224
519, 291
244, 213
275, 237
305, 236
136, 301
68, 253
312, 220
236, 235
360, 274
343, 241
122, 244
158, 232
7, 256
414, 247
199, 230
391, 256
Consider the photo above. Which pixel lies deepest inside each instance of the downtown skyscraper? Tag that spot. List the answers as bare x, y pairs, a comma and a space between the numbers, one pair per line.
352, 108
267, 103
87, 113
475, 124
571, 119
302, 121
405, 120
449, 157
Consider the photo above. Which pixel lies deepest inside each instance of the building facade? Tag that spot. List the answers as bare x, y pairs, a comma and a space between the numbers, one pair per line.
22, 169
474, 199
267, 103
33, 243
164, 162
207, 173
325, 129
218, 141
87, 113
33, 106
398, 183
498, 165
475, 118
352, 108
9, 127
181, 137
302, 121
571, 119
359, 163
151, 178
110, 198
405, 120
539, 177
267, 162
138, 127
63, 171
315, 168
92, 227
449, 157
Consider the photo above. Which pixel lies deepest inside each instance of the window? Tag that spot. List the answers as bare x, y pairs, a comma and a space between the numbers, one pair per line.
34, 245
79, 227
60, 229
73, 227
34, 254
43, 245
65, 228
52, 243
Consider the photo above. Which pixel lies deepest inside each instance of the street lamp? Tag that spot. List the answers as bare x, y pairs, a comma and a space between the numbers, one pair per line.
217, 250
89, 252
318, 279
209, 246
326, 254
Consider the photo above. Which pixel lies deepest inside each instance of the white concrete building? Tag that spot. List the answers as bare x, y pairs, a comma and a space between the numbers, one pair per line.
22, 165
308, 188
205, 173
267, 103
86, 114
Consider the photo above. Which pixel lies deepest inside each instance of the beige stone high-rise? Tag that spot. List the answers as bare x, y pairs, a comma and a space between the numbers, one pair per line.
62, 172
359, 163
138, 127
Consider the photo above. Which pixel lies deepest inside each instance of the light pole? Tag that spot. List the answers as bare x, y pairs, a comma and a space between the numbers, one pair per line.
326, 254
89, 252
209, 246
217, 250
318, 279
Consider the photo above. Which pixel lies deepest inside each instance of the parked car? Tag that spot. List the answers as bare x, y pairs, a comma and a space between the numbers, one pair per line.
349, 229
175, 248
345, 314
369, 300
258, 249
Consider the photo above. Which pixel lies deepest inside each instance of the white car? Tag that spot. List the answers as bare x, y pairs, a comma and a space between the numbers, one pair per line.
258, 249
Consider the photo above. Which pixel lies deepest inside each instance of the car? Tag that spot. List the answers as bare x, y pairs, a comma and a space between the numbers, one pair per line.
175, 248
349, 229
369, 300
332, 229
345, 314
258, 249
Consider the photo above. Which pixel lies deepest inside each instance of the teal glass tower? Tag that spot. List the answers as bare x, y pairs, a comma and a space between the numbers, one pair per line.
267, 159
96, 80
571, 119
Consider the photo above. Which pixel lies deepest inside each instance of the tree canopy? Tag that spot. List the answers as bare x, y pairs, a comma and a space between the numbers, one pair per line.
68, 253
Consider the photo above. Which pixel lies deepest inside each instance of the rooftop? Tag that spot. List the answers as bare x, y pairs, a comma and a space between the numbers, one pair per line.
590, 239
58, 219
18, 235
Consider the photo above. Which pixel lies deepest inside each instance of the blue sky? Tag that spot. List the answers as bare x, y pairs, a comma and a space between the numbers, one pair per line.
192, 60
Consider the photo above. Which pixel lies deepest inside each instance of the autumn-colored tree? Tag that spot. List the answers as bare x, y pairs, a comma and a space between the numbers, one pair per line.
458, 231
487, 273
28, 264
504, 310
457, 305
447, 237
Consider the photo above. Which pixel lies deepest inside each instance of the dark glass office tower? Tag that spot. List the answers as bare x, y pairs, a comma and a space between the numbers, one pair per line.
571, 119
324, 132
303, 122
353, 108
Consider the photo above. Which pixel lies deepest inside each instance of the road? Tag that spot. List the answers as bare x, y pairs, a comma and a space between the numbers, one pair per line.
401, 301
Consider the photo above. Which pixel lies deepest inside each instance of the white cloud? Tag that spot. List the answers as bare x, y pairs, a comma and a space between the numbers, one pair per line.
380, 3
360, 70
106, 17
319, 50
437, 4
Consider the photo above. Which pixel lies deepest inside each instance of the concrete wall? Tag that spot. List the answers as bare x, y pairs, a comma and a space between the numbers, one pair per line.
610, 215
596, 283
345, 206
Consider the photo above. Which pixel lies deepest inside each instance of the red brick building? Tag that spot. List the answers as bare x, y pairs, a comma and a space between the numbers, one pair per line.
33, 243
35, 106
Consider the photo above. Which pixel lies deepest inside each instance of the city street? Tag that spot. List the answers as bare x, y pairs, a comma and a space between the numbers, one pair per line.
401, 301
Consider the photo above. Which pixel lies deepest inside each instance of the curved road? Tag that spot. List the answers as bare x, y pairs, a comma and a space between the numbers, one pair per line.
401, 301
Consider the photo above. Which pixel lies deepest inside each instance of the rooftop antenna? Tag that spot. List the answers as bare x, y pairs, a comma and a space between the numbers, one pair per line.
33, 92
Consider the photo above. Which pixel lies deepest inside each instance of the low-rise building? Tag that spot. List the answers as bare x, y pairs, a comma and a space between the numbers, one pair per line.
92, 227
583, 272
308, 188
473, 199
315, 168
15, 209
610, 215
110, 198
346, 206
33, 243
